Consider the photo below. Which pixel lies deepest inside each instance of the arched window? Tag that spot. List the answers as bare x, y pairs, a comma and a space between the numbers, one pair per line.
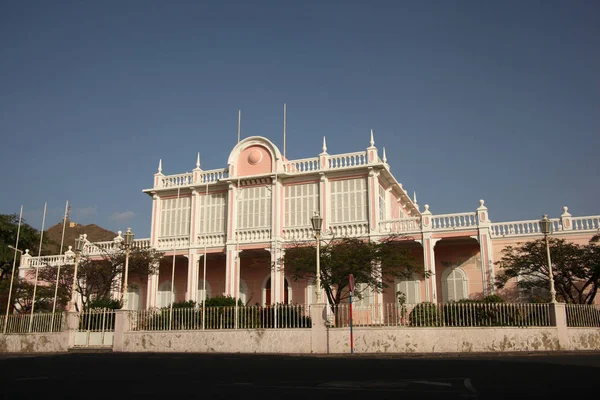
411, 288
363, 295
200, 297
266, 291
165, 296
454, 284
243, 291
133, 298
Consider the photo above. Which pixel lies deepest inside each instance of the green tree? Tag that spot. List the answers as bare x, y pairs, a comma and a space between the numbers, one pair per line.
99, 275
29, 238
344, 256
575, 268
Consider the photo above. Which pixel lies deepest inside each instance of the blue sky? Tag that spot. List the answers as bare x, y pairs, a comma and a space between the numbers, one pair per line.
491, 100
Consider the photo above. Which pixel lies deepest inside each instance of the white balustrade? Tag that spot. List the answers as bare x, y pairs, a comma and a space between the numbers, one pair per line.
302, 165
176, 180
401, 225
516, 228
211, 239
253, 234
348, 160
213, 175
47, 261
586, 223
166, 243
454, 221
349, 229
298, 233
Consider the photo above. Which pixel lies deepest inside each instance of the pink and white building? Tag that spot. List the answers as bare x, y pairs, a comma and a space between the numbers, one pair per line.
232, 225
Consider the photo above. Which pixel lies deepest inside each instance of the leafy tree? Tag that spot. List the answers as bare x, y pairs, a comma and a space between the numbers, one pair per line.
575, 268
98, 276
344, 256
29, 238
22, 296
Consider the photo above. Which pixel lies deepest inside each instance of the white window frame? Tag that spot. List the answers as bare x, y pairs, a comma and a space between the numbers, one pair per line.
462, 279
175, 216
382, 198
301, 202
349, 200
254, 207
162, 295
201, 290
213, 213
406, 285
134, 295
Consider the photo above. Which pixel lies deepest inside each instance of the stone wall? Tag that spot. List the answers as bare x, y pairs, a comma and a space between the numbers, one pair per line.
443, 340
240, 341
584, 338
34, 343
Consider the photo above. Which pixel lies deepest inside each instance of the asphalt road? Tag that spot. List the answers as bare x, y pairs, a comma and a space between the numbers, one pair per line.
249, 376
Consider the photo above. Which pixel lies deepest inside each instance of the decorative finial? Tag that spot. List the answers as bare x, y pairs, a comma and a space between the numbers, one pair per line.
481, 203
198, 161
565, 213
426, 207
415, 197
372, 140
565, 209
160, 166
384, 156
324, 145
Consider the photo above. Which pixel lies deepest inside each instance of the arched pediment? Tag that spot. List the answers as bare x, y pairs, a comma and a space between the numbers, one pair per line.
254, 155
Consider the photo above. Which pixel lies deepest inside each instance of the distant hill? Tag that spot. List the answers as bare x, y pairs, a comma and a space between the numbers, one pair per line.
52, 235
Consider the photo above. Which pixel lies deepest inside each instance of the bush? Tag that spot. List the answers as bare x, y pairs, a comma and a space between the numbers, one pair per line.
425, 314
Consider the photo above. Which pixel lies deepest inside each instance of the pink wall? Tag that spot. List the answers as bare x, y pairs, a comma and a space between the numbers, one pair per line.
254, 160
464, 255
165, 271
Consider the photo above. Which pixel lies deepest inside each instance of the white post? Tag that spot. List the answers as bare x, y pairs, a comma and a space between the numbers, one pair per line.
37, 269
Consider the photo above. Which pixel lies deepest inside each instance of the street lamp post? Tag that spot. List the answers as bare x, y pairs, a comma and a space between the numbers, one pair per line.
127, 244
79, 243
546, 228
317, 222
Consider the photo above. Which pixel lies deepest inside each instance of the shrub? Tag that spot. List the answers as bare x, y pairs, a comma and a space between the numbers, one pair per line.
425, 314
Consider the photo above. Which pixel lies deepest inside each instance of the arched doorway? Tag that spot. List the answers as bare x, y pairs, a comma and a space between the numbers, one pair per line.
267, 292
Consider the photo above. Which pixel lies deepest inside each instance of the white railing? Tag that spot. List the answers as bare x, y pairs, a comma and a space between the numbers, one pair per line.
211, 239
97, 320
442, 315
348, 160
253, 234
47, 261
454, 221
173, 242
349, 229
302, 165
522, 228
169, 181
401, 225
583, 315
284, 316
298, 233
213, 175
586, 223
42, 322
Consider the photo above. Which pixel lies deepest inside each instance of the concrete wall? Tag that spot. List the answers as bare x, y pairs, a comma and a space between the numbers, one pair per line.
242, 341
584, 338
441, 340
34, 343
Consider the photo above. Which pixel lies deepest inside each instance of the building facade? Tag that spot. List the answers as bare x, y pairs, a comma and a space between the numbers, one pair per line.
223, 231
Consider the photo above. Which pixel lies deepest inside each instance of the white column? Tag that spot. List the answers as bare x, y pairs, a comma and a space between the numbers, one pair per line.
152, 289
155, 228
486, 250
372, 199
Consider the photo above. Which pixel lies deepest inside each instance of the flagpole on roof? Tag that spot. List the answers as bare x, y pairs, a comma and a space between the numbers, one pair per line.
62, 241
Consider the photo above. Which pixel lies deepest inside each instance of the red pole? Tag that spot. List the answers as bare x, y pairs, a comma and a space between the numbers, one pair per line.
351, 335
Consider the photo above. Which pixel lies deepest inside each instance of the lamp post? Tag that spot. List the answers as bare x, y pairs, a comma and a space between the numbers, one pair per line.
546, 228
79, 243
317, 222
127, 244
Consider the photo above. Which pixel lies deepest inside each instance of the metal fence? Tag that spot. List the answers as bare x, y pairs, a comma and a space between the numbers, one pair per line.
441, 315
583, 315
231, 317
39, 322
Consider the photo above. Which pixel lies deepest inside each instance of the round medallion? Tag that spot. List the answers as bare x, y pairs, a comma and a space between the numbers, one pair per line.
254, 157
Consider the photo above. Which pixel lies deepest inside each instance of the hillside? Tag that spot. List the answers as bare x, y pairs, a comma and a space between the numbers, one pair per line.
53, 235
